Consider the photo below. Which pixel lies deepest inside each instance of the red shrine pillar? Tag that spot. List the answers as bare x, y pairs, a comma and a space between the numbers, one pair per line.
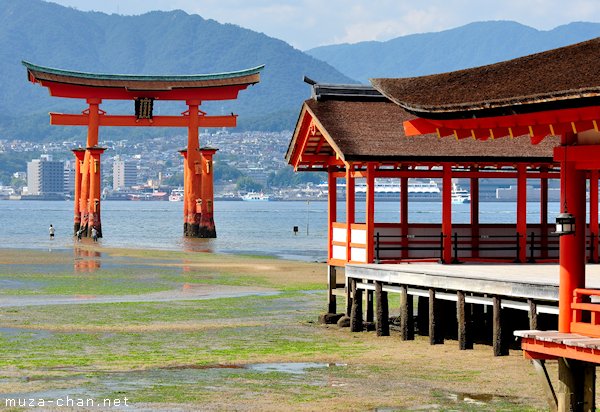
572, 247
350, 208
404, 215
370, 211
594, 230
447, 212
95, 182
474, 187
79, 155
331, 208
192, 186
522, 211
207, 223
544, 214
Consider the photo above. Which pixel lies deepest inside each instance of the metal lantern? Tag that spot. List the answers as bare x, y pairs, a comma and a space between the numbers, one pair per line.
565, 224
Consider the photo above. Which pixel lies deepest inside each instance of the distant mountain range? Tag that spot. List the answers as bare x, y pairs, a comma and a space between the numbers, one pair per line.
472, 45
177, 43
154, 43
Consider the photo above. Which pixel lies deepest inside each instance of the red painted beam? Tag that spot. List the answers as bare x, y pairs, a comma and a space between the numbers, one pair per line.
538, 125
199, 93
131, 121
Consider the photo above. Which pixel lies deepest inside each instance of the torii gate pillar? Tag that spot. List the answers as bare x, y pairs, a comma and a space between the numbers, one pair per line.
207, 222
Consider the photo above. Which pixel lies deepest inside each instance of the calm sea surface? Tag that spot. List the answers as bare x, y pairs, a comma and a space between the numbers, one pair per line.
263, 228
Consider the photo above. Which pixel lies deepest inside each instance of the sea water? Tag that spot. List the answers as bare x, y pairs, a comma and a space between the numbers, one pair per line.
258, 228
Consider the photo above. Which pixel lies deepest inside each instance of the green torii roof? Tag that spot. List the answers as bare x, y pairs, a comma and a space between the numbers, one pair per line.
73, 84
135, 77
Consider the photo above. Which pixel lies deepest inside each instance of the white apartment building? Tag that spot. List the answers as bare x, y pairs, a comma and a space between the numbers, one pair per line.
124, 174
45, 176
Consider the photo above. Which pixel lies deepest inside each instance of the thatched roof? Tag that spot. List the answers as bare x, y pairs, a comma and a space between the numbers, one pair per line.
373, 130
555, 79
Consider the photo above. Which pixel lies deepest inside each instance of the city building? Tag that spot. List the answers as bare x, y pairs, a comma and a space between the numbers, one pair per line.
45, 176
124, 174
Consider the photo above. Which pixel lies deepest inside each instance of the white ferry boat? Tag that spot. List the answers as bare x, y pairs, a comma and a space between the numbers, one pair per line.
460, 195
389, 189
255, 197
176, 195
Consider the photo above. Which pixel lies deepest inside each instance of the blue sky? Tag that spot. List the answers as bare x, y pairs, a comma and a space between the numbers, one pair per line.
310, 23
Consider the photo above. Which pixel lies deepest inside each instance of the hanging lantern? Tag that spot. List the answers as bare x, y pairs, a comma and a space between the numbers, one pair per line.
565, 224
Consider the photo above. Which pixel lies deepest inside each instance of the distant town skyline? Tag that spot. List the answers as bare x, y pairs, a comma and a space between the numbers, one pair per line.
310, 23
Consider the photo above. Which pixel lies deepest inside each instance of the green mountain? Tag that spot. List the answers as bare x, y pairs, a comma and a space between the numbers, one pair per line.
154, 43
472, 45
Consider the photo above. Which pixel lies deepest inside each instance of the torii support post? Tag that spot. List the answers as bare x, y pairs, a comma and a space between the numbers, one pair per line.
93, 113
207, 222
79, 155
94, 200
183, 153
192, 189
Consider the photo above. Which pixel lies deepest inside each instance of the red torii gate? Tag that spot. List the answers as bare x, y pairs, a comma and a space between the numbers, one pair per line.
193, 89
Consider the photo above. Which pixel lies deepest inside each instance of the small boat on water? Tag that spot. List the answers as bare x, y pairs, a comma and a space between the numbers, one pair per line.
176, 195
460, 195
255, 197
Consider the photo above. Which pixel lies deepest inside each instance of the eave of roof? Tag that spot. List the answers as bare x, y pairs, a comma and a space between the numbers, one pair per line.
559, 78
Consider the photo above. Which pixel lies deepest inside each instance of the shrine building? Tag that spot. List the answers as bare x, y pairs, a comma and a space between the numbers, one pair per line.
534, 117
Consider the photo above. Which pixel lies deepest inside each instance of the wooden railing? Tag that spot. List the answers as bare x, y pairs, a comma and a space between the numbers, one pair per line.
432, 243
586, 314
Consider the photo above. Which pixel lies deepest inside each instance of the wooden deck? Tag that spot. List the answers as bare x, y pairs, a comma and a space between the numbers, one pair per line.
491, 300
520, 281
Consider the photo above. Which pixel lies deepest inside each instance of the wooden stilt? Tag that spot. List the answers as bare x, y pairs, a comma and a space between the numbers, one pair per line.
465, 339
589, 387
407, 327
383, 314
356, 315
533, 318
349, 298
576, 385
499, 341
369, 301
436, 336
331, 286
423, 316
